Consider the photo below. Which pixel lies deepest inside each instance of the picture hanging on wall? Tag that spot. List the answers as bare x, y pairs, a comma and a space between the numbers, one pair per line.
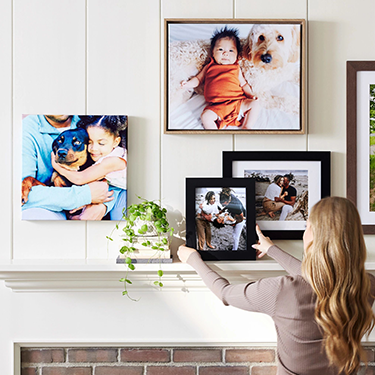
360, 149
287, 185
230, 76
220, 218
74, 167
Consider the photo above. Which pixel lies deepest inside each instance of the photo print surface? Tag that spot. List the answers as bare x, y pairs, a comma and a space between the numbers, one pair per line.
220, 219
285, 191
280, 195
74, 167
255, 87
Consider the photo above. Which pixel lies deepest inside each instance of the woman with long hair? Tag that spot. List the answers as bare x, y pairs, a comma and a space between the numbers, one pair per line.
322, 309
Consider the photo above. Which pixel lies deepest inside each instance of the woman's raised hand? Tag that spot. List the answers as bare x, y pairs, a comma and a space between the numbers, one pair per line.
264, 243
184, 252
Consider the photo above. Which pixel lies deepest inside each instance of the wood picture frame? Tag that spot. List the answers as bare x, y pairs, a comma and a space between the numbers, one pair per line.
273, 60
221, 229
359, 122
308, 172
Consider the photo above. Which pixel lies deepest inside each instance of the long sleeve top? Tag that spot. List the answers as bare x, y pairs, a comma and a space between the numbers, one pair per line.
290, 301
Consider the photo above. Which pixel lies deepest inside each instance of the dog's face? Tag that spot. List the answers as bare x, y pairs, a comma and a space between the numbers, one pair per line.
272, 46
70, 148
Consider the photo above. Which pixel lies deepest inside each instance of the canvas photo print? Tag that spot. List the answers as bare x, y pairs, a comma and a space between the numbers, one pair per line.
220, 219
372, 147
280, 195
234, 76
74, 167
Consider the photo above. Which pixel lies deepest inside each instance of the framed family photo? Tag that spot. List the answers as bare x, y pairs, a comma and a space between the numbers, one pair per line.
233, 75
287, 185
74, 167
361, 140
220, 218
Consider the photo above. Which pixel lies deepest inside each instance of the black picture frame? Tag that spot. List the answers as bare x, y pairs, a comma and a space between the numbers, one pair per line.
319, 162
191, 234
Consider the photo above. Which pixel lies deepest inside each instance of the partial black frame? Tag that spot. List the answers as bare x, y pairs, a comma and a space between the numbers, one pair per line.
324, 157
191, 235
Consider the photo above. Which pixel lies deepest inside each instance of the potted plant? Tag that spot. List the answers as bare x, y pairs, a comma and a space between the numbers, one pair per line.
146, 226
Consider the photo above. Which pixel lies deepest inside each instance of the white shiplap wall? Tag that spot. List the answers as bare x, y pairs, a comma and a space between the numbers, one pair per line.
96, 56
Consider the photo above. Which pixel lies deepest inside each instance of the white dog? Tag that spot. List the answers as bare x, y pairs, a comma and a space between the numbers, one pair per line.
272, 46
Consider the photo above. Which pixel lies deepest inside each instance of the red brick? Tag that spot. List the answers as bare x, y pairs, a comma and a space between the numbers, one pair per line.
42, 355
197, 355
224, 370
119, 370
369, 371
370, 354
164, 370
92, 355
29, 371
145, 355
264, 370
67, 371
250, 355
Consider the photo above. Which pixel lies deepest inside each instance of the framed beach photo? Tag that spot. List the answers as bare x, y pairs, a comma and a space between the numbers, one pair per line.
235, 76
220, 218
74, 167
360, 148
287, 185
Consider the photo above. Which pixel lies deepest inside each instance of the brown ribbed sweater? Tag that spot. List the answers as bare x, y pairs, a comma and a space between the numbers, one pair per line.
290, 301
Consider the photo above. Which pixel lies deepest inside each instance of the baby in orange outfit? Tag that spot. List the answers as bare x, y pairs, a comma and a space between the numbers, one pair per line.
226, 91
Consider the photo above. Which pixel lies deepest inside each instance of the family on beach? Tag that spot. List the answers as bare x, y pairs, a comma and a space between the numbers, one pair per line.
210, 213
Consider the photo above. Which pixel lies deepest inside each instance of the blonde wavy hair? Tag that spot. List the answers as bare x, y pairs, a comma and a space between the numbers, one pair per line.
334, 265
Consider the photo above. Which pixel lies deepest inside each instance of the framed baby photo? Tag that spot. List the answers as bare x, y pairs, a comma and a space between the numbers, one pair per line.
361, 140
287, 185
220, 217
74, 167
235, 76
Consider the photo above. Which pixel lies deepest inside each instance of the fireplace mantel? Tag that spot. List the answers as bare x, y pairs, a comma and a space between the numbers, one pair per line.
103, 275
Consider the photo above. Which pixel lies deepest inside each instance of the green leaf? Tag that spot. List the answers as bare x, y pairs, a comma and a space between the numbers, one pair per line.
124, 249
148, 243
165, 241
156, 282
122, 280
161, 285
154, 247
128, 260
144, 244
128, 281
160, 273
116, 226
131, 266
109, 238
144, 227
125, 292
140, 231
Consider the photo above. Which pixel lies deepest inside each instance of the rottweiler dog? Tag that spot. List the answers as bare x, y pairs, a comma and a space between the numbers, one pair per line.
70, 149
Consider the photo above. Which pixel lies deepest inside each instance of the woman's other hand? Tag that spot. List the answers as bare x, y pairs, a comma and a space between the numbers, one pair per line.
184, 253
264, 243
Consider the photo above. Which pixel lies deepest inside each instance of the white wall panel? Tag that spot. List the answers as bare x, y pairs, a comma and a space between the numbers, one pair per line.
6, 121
123, 68
189, 155
49, 78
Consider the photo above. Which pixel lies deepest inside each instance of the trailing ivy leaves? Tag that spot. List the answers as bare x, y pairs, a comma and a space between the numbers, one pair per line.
154, 219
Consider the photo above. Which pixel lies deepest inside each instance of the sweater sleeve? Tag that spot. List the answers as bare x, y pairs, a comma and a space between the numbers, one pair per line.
259, 296
291, 264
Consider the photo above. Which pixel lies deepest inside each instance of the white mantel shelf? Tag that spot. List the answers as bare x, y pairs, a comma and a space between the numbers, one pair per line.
103, 275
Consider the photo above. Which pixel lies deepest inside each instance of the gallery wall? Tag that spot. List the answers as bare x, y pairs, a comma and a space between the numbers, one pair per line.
107, 57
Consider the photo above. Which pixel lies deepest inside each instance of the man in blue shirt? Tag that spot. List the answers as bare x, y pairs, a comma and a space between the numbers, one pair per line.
49, 202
